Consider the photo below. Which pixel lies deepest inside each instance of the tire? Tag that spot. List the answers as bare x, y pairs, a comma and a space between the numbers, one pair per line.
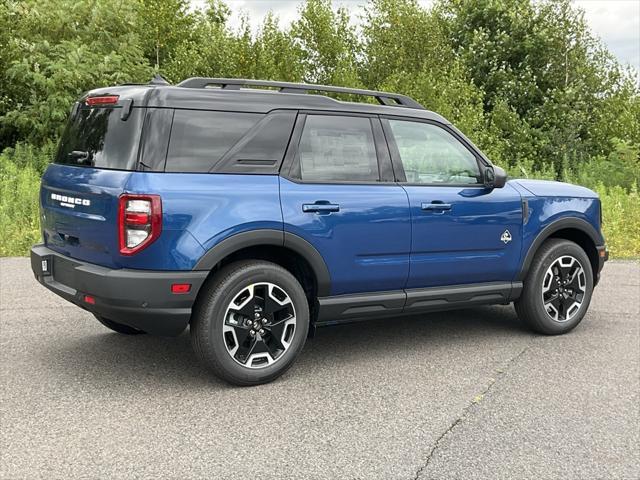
221, 324
549, 307
118, 327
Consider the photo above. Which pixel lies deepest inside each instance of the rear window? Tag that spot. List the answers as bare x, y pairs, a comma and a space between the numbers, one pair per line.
199, 139
98, 137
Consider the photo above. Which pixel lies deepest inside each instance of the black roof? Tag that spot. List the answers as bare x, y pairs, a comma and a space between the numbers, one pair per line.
233, 95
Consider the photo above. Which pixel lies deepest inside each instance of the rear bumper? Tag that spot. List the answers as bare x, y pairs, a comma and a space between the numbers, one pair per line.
139, 298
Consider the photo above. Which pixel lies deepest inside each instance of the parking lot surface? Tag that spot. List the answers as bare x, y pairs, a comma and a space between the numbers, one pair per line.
465, 394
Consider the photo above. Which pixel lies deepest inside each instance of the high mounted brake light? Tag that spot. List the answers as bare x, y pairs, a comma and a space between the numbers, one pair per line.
139, 222
102, 100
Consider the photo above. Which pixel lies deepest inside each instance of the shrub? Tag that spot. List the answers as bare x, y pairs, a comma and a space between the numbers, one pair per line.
19, 186
621, 220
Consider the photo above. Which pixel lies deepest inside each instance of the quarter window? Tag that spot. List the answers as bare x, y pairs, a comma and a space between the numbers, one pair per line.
199, 139
337, 148
431, 155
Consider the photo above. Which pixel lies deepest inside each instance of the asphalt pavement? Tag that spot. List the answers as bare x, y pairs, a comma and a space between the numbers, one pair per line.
466, 394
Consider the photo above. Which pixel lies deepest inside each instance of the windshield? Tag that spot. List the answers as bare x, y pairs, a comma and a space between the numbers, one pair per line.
98, 137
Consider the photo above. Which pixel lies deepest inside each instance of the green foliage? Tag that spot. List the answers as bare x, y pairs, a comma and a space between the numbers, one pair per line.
551, 93
407, 51
526, 80
621, 216
57, 50
19, 219
620, 168
163, 25
327, 44
27, 156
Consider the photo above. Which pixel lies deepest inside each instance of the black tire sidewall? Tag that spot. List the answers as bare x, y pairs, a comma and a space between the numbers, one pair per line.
223, 292
554, 250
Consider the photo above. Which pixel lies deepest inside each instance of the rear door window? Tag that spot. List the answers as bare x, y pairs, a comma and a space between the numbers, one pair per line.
199, 139
98, 137
337, 149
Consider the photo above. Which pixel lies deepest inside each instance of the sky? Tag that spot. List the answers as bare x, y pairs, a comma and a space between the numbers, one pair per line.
616, 22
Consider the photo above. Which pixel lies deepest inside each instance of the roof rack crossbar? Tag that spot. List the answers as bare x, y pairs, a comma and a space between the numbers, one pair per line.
384, 98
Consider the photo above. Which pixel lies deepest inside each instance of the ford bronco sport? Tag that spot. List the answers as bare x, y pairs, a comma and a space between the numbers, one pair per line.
256, 211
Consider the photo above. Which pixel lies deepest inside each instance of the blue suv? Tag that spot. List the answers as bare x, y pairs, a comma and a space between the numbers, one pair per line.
256, 211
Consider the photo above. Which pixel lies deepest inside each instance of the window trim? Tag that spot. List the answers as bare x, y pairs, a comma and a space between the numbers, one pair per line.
398, 167
231, 162
292, 159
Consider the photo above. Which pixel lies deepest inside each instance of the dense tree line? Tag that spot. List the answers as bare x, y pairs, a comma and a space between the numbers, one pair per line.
525, 80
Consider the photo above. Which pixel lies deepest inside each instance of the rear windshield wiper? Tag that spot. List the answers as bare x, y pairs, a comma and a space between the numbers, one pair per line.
79, 156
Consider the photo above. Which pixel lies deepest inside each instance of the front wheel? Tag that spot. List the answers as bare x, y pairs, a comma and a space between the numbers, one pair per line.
558, 288
250, 323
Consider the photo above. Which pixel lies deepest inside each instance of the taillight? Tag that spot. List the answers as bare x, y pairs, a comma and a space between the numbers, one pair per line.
139, 222
102, 100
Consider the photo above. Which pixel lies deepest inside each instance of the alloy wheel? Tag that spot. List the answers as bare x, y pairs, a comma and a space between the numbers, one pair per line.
259, 325
563, 288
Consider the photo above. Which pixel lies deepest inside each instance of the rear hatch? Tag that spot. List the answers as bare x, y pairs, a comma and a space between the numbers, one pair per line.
80, 191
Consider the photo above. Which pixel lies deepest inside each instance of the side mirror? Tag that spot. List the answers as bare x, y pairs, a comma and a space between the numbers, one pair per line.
494, 177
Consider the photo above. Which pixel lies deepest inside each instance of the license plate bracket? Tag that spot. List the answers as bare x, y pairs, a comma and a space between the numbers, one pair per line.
46, 265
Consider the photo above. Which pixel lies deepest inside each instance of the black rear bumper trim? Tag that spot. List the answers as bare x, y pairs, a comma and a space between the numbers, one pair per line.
603, 256
139, 298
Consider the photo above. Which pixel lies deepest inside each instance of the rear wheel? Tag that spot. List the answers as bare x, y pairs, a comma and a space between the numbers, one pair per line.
250, 323
118, 327
558, 288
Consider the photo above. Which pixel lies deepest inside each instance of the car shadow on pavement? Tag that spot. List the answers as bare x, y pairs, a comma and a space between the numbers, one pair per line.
105, 358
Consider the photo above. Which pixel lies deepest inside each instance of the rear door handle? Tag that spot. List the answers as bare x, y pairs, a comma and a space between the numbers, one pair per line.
437, 206
320, 207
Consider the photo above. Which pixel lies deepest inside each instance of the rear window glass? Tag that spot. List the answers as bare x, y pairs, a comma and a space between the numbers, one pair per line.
97, 137
199, 139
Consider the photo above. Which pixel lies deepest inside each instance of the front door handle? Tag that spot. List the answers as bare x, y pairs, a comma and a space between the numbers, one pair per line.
320, 207
436, 205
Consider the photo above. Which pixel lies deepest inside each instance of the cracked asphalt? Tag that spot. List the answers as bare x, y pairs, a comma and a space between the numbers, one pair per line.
466, 394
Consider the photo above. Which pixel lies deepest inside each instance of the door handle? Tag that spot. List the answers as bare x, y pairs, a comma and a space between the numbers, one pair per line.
436, 205
320, 207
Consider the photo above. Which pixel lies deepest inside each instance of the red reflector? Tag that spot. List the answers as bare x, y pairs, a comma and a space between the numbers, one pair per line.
136, 218
181, 288
90, 299
104, 100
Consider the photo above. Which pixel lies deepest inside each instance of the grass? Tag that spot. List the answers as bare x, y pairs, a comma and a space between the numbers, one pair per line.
19, 222
621, 221
21, 168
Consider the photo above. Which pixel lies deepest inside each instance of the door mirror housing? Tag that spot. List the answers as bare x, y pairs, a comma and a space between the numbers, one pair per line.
494, 177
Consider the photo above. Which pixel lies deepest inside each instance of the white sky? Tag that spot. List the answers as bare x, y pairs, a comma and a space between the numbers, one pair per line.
616, 22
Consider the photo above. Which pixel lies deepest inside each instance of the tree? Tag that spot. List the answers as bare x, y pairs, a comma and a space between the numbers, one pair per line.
275, 55
407, 50
207, 49
57, 50
547, 83
163, 25
327, 44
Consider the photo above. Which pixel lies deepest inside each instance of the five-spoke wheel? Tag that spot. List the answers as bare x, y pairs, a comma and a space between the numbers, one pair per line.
259, 324
563, 288
557, 289
251, 322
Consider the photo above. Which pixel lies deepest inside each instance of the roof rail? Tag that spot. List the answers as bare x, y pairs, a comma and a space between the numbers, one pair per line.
384, 98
